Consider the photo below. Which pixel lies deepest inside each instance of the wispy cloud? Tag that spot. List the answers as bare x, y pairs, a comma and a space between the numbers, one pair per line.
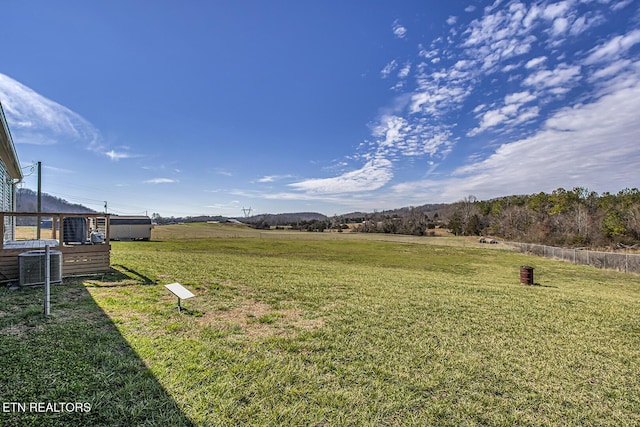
398, 30
373, 175
223, 172
37, 120
117, 155
614, 48
161, 181
522, 44
533, 63
273, 178
584, 145
558, 80
57, 169
388, 69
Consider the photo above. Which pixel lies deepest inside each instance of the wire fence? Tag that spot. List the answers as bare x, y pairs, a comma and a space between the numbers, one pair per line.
629, 263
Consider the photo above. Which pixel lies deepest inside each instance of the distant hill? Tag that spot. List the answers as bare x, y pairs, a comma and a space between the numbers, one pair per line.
283, 218
27, 201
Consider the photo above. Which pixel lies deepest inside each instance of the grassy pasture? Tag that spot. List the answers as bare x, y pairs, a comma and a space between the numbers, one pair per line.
294, 328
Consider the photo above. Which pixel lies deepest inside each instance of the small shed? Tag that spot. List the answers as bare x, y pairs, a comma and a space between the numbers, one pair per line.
130, 227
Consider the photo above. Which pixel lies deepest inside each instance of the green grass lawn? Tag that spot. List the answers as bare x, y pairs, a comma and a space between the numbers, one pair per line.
320, 329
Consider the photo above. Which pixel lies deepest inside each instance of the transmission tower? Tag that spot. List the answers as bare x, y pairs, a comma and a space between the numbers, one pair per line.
247, 212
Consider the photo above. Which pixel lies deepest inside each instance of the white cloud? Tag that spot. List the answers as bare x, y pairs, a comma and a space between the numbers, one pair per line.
265, 179
532, 63
490, 119
592, 145
561, 77
452, 20
504, 24
373, 175
479, 108
388, 69
398, 30
390, 130
531, 16
560, 26
510, 67
161, 181
621, 4
583, 23
273, 178
34, 119
614, 48
519, 97
113, 155
610, 69
508, 115
525, 115
435, 98
498, 36
557, 10
221, 171
404, 71
57, 169
528, 42
37, 120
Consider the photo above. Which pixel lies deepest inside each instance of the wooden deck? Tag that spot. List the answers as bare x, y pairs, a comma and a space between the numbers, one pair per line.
78, 259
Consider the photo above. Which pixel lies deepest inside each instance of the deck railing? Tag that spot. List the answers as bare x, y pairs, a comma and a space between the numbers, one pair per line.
81, 257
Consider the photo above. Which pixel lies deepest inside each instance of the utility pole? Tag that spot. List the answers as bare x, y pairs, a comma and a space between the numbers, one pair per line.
39, 209
105, 207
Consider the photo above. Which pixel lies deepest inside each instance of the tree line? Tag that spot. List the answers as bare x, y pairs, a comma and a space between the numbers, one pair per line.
576, 217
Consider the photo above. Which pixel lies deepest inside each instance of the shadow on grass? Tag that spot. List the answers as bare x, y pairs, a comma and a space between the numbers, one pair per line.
119, 276
540, 285
145, 280
73, 367
189, 312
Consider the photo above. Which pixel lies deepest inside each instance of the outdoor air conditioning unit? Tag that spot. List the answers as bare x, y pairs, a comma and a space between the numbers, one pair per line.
74, 230
32, 265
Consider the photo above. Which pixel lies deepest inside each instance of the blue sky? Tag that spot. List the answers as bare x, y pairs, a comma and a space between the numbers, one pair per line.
206, 107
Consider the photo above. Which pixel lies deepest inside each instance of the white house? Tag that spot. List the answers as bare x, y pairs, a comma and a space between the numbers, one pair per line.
10, 175
78, 257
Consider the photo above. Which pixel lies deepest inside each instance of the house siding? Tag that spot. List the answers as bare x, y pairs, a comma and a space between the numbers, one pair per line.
6, 200
10, 174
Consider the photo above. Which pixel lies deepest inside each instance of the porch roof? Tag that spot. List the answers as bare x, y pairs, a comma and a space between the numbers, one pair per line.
7, 149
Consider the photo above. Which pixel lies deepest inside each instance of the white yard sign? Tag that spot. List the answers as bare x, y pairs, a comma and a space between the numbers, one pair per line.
180, 291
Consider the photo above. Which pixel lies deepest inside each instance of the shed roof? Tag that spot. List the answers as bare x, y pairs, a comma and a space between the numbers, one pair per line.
7, 149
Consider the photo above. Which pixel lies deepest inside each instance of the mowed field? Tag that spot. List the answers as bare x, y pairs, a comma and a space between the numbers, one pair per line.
296, 328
